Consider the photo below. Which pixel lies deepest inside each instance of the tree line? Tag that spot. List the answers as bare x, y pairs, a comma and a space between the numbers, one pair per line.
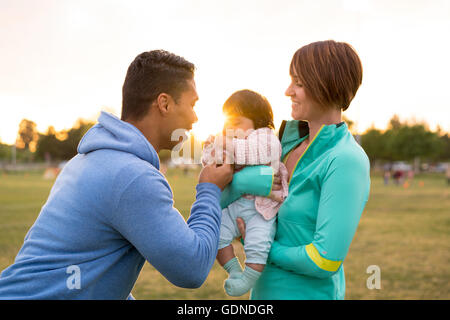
400, 141
406, 141
52, 145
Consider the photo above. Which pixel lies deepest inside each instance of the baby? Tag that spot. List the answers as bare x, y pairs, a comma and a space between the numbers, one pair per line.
247, 139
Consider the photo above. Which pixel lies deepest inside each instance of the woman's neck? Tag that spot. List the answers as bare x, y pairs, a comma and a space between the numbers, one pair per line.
332, 117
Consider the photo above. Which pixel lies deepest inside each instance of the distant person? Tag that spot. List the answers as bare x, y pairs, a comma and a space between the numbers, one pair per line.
329, 179
398, 174
111, 209
249, 119
386, 177
387, 173
447, 174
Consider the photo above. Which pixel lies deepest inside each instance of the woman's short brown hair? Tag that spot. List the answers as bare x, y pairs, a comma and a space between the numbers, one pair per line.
330, 71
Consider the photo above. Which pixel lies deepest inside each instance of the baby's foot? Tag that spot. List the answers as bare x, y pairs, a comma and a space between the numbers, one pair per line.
237, 286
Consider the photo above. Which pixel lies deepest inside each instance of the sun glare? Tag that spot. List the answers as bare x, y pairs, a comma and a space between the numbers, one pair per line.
210, 121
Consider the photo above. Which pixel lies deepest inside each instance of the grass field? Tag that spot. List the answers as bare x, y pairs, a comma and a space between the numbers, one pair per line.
404, 231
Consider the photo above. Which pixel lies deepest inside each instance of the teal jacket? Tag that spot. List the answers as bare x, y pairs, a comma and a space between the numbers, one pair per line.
328, 190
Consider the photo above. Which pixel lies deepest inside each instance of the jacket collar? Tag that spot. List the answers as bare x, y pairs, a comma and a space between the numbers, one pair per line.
295, 131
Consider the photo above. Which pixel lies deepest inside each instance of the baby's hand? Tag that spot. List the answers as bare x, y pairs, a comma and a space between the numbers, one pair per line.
208, 151
220, 152
209, 141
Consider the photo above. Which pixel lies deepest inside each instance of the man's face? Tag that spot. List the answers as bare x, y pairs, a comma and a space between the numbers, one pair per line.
183, 114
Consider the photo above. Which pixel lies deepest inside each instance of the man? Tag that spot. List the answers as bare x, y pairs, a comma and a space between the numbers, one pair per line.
110, 209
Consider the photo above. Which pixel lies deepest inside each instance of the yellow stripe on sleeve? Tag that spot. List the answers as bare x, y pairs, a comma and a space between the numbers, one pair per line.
322, 263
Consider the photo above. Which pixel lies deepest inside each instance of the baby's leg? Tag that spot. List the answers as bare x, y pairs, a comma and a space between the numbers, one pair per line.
225, 255
259, 238
228, 260
256, 266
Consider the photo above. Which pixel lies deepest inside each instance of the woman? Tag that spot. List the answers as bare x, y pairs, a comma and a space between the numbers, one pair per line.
329, 178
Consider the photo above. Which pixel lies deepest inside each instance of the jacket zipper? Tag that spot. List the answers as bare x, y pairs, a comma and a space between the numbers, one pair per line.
298, 161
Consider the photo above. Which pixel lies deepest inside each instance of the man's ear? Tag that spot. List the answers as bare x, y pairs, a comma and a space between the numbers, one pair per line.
163, 103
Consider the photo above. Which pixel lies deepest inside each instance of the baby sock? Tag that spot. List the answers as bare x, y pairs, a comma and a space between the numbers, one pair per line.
238, 286
233, 267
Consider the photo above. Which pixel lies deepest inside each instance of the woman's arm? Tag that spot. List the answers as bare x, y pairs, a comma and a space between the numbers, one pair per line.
256, 180
261, 147
344, 193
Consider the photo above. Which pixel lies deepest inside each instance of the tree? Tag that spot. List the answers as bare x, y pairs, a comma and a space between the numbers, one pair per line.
27, 135
394, 123
403, 141
415, 141
372, 143
48, 145
350, 123
5, 152
73, 136
445, 148
62, 145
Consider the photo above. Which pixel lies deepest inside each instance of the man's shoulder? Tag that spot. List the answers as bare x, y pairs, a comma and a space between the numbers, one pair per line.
133, 166
121, 167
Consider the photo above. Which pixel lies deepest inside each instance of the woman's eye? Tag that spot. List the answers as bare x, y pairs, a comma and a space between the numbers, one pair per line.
298, 84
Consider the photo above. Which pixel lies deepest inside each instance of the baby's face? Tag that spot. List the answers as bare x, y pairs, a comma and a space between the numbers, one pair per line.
240, 126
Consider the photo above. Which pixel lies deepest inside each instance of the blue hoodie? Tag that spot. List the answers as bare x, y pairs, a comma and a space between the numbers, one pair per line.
109, 210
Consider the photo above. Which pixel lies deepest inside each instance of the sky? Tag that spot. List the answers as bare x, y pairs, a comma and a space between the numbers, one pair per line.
61, 60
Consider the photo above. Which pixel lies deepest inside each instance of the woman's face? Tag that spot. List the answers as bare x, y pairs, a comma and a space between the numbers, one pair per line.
303, 107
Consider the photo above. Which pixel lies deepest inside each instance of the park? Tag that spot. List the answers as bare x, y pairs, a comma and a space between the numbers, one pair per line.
113, 121
403, 230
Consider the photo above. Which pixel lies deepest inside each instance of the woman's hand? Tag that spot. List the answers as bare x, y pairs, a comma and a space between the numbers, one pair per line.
276, 182
241, 226
276, 186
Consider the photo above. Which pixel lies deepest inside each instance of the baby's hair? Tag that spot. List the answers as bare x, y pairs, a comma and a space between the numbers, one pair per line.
252, 105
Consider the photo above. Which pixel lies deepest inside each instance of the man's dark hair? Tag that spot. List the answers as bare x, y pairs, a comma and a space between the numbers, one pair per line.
252, 105
150, 74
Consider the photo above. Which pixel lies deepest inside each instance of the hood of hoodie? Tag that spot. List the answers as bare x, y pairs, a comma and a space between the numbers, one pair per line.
114, 134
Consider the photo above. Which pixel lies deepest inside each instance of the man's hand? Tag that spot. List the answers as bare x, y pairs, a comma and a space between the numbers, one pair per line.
220, 175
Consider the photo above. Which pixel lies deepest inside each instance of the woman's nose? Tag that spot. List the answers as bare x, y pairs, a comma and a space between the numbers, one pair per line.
289, 91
